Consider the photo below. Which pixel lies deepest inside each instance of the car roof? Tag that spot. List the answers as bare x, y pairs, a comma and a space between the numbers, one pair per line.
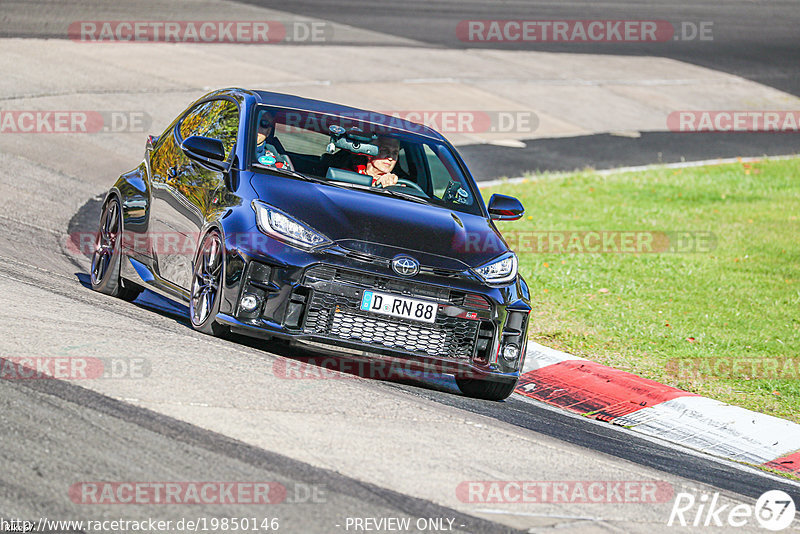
320, 106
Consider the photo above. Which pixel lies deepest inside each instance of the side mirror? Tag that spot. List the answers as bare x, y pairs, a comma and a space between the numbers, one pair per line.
505, 208
206, 151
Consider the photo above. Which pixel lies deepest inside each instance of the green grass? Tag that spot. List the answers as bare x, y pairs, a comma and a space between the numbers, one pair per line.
738, 303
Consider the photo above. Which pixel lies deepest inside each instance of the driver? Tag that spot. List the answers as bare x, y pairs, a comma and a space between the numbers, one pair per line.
380, 167
268, 149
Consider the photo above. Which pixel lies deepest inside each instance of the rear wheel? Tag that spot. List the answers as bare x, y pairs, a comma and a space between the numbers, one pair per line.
485, 389
107, 255
207, 286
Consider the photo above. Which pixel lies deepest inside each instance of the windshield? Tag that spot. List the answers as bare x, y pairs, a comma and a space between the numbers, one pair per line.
346, 151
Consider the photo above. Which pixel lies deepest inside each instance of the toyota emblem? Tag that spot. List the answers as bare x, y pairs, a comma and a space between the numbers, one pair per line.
405, 266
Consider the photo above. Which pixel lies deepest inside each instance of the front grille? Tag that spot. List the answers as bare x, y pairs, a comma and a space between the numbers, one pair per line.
449, 273
368, 258
476, 301
379, 283
335, 312
398, 335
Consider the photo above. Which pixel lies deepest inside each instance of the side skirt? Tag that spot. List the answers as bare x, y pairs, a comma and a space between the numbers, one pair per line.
140, 273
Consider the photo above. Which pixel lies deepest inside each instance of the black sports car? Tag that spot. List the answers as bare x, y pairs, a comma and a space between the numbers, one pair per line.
282, 217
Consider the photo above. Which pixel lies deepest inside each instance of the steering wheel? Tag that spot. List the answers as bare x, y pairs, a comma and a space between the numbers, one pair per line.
408, 184
289, 161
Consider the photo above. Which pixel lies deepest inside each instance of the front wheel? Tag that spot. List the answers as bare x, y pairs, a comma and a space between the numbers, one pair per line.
207, 286
485, 389
107, 255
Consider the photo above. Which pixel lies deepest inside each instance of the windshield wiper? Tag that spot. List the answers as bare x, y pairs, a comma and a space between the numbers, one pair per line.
389, 192
399, 194
343, 185
289, 172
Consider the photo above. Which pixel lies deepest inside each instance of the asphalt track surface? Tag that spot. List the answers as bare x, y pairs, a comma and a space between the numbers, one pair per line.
755, 40
55, 430
89, 425
54, 433
608, 151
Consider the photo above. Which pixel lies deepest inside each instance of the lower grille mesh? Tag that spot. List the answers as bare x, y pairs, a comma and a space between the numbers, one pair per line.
407, 337
341, 317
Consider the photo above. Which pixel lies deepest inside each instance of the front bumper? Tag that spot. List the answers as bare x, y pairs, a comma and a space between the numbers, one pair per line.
315, 297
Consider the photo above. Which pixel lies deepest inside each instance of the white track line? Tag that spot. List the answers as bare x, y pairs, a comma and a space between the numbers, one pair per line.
717, 428
685, 449
642, 168
538, 356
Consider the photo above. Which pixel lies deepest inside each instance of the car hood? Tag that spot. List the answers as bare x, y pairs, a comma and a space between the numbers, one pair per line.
384, 226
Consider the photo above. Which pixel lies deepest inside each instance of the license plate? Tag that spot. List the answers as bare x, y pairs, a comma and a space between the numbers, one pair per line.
396, 306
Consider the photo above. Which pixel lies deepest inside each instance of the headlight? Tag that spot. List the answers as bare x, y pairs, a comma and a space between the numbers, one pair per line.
498, 271
277, 224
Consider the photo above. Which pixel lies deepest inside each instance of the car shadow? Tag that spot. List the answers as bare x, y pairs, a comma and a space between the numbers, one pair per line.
304, 363
320, 363
150, 301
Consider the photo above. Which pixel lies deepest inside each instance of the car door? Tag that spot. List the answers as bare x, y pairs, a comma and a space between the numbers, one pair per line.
184, 191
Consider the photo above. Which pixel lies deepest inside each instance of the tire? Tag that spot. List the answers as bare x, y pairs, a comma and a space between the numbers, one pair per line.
206, 292
485, 389
107, 256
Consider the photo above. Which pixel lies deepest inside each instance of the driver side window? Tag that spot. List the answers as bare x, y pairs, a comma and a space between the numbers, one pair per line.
440, 176
218, 119
402, 162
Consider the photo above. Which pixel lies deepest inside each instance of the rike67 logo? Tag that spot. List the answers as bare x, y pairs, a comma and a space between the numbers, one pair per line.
774, 510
